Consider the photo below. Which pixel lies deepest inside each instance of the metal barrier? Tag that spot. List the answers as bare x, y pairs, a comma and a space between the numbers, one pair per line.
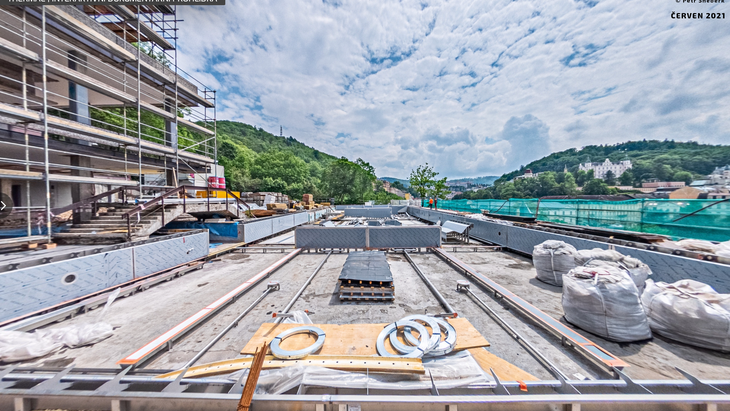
368, 237
34, 288
665, 267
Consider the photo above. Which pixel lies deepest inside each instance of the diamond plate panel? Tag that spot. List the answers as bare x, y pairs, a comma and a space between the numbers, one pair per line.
119, 267
665, 267
331, 237
404, 237
161, 255
257, 230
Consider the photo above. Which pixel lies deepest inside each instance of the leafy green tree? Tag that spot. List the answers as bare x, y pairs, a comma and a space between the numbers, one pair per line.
568, 187
277, 167
596, 187
626, 178
422, 178
439, 189
685, 176
348, 182
610, 178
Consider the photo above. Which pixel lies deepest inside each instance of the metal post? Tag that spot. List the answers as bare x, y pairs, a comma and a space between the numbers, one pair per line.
445, 304
139, 105
301, 290
45, 128
185, 195
162, 200
29, 227
273, 286
177, 145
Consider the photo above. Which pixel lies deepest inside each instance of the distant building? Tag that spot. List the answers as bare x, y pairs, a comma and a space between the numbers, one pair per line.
387, 187
600, 169
663, 184
721, 176
528, 174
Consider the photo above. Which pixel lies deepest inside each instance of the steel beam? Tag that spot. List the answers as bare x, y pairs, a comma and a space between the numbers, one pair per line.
583, 346
145, 353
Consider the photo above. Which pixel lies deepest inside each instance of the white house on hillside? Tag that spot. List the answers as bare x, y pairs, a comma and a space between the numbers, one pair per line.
600, 169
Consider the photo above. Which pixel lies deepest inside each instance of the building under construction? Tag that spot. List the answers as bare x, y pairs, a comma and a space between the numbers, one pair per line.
167, 295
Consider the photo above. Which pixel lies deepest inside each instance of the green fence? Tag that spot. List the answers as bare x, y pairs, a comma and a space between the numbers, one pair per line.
673, 218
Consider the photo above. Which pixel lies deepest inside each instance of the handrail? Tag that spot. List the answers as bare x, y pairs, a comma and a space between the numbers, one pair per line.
161, 199
89, 200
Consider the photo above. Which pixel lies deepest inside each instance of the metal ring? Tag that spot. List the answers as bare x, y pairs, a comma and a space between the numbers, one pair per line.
433, 341
448, 344
293, 355
417, 352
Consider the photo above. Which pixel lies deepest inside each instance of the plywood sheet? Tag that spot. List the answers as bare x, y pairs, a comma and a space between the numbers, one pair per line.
506, 371
353, 339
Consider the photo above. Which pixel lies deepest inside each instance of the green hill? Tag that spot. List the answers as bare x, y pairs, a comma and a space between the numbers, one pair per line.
650, 159
486, 180
256, 160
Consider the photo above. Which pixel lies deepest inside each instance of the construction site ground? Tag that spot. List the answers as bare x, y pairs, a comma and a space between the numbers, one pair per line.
142, 317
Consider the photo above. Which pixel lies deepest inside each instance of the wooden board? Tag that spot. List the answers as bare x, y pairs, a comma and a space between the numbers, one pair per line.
345, 363
353, 339
505, 370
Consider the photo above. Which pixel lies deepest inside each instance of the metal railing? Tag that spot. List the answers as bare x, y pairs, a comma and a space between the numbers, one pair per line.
180, 191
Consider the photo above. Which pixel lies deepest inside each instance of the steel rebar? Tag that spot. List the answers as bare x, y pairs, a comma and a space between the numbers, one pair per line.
301, 290
223, 332
445, 304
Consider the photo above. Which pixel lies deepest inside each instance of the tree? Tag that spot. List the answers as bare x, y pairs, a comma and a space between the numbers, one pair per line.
439, 189
626, 178
685, 176
422, 178
568, 187
610, 178
347, 182
595, 187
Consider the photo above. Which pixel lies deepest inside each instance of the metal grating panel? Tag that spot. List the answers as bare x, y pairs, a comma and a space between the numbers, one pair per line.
404, 237
330, 237
301, 218
282, 223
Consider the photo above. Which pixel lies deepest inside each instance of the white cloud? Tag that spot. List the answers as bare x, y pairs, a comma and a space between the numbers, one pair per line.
473, 88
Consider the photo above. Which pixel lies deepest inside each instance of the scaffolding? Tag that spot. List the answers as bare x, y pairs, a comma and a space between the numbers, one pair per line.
91, 98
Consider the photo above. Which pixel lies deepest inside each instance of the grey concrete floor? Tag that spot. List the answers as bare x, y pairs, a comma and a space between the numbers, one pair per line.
144, 316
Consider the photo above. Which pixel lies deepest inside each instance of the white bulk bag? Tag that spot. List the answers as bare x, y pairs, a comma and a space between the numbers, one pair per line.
603, 300
552, 259
638, 271
690, 312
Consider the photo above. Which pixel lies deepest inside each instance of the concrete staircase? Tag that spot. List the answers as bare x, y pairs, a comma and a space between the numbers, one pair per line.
110, 227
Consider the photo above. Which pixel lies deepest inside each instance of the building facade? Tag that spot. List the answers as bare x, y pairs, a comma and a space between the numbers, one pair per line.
92, 99
600, 169
721, 176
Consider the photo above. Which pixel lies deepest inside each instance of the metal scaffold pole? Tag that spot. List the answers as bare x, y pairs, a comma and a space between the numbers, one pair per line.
139, 104
45, 127
29, 228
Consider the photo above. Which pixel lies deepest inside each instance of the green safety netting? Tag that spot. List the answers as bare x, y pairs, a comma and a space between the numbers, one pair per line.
673, 218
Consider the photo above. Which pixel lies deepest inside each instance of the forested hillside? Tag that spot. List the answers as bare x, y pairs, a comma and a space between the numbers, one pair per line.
256, 160
662, 160
651, 159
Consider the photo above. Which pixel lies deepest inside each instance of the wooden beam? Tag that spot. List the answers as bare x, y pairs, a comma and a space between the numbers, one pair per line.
336, 362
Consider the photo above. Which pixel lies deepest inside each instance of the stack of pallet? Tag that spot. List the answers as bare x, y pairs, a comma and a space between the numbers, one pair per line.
308, 201
366, 276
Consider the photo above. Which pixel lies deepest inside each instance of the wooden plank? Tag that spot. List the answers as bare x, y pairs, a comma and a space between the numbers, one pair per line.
353, 339
505, 370
337, 362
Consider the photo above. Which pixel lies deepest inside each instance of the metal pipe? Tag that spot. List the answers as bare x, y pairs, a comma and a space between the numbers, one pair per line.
234, 323
445, 304
139, 105
301, 290
45, 128
464, 287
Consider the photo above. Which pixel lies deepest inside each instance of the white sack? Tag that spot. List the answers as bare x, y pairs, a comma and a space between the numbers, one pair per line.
638, 271
603, 300
690, 312
697, 245
552, 259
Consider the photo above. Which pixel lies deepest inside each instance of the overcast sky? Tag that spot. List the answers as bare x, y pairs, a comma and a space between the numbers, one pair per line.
473, 88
